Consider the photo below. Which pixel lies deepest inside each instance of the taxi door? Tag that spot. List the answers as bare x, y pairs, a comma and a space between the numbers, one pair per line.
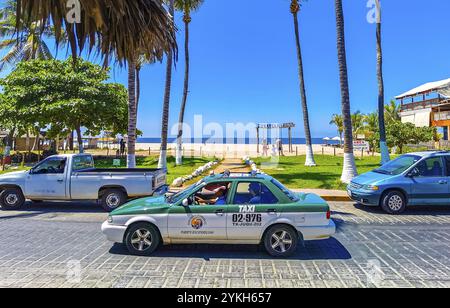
197, 223
253, 206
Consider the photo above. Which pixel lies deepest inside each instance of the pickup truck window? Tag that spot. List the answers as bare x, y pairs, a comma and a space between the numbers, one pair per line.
82, 163
53, 165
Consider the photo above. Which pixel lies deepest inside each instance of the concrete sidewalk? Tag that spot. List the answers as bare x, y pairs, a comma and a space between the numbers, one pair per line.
328, 195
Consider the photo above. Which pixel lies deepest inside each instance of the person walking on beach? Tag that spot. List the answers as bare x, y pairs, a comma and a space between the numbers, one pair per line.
279, 145
265, 148
122, 147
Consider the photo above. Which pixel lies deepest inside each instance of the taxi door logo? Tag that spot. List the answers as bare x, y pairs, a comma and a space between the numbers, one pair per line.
197, 222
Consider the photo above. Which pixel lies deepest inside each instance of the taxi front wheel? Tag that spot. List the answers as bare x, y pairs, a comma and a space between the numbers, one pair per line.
281, 241
142, 239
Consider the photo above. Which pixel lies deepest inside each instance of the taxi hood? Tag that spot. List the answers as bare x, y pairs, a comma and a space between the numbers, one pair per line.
150, 205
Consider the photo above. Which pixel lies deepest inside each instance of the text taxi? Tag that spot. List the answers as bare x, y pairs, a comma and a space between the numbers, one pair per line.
223, 209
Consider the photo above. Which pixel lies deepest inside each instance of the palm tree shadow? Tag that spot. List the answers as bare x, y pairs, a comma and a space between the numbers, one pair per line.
330, 249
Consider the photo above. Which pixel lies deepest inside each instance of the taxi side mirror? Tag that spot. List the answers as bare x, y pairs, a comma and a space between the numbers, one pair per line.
185, 203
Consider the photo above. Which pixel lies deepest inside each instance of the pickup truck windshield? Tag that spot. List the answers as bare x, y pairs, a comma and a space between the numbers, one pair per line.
399, 165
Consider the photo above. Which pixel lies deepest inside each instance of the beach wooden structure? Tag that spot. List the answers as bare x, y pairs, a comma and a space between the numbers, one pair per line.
269, 127
427, 106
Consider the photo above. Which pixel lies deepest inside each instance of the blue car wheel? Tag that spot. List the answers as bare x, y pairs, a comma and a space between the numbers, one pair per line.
394, 203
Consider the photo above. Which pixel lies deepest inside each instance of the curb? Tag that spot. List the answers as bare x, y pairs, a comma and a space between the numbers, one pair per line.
336, 198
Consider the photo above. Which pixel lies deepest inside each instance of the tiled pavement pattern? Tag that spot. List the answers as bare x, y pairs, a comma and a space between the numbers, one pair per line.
50, 247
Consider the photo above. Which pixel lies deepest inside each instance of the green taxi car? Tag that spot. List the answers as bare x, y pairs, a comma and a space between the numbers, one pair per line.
223, 209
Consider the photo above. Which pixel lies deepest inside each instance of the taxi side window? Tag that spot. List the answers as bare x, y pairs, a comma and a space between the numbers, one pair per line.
431, 167
254, 193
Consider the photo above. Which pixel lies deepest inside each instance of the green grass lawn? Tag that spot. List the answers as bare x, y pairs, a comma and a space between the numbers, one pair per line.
189, 165
292, 172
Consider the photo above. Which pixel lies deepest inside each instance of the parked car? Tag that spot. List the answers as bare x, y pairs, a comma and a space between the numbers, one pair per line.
412, 179
223, 209
74, 177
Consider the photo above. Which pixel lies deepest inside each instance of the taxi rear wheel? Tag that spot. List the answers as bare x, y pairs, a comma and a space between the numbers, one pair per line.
142, 239
394, 203
281, 241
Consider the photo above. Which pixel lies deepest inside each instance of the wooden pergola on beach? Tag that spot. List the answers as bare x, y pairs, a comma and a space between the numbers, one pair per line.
269, 127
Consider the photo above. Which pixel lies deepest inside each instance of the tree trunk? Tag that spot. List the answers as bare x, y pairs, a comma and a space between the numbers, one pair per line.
166, 108
80, 140
28, 145
349, 171
383, 145
132, 115
179, 154
138, 88
71, 147
310, 162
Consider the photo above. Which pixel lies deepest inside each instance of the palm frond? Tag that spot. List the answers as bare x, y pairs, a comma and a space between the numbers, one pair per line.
114, 27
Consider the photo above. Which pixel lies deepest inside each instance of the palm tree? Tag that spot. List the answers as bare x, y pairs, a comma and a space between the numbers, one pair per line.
381, 120
115, 28
310, 162
162, 164
392, 112
371, 129
349, 170
357, 124
29, 45
134, 94
186, 6
338, 121
132, 115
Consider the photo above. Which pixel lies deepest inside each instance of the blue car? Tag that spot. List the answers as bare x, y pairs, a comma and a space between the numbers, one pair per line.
412, 179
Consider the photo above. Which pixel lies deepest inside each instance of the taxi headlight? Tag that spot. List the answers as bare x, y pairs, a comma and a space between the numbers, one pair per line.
371, 188
110, 219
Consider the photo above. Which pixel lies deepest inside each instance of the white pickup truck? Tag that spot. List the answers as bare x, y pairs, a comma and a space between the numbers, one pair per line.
74, 177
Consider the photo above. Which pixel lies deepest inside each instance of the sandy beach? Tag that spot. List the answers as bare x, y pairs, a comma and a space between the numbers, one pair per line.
235, 150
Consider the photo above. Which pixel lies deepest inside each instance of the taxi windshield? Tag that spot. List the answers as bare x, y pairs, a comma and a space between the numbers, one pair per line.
178, 196
399, 165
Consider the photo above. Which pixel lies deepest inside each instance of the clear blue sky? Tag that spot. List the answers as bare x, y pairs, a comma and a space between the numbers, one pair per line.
244, 68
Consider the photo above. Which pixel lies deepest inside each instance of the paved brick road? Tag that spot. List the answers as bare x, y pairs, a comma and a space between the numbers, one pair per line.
47, 247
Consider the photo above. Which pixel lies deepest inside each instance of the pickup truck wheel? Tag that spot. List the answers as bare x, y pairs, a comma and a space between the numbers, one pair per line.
113, 199
394, 203
12, 199
142, 239
281, 241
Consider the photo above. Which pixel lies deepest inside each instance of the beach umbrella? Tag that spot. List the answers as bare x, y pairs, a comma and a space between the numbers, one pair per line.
327, 139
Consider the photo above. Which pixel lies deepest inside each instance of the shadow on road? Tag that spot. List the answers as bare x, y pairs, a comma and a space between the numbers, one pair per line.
59, 207
330, 249
430, 210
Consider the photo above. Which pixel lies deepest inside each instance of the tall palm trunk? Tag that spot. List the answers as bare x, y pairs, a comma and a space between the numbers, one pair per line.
310, 162
80, 139
383, 145
349, 171
166, 108
132, 115
179, 160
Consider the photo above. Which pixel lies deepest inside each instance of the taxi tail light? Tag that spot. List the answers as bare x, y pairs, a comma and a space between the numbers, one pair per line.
328, 215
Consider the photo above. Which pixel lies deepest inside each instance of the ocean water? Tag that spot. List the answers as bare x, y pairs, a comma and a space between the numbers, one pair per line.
296, 141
